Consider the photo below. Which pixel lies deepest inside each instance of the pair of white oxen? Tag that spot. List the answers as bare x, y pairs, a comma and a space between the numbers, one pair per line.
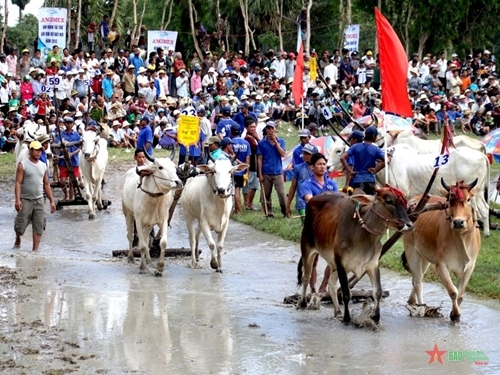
414, 160
93, 158
148, 194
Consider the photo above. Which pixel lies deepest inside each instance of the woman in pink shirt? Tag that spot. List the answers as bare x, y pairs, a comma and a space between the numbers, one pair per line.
358, 108
26, 90
12, 62
196, 80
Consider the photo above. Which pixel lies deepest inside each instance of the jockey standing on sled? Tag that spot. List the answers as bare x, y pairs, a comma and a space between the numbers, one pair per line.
365, 156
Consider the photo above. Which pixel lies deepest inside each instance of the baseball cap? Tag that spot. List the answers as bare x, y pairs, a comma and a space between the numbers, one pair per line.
235, 128
226, 111
304, 133
213, 140
68, 119
226, 141
357, 134
271, 124
371, 130
310, 149
201, 109
35, 145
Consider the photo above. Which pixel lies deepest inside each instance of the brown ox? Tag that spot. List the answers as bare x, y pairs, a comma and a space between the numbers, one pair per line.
346, 232
448, 239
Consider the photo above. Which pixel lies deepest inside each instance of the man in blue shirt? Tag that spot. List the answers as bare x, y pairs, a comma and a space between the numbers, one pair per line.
145, 137
241, 148
270, 167
136, 60
318, 183
357, 136
304, 136
242, 115
224, 125
365, 156
69, 136
301, 172
313, 186
195, 152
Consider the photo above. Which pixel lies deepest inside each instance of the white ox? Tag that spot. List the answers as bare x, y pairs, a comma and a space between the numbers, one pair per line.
27, 133
208, 200
410, 171
429, 146
93, 161
146, 199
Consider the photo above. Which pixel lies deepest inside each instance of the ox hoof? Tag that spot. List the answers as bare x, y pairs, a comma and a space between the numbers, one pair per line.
219, 270
157, 273
195, 265
455, 317
91, 216
375, 318
131, 259
302, 304
346, 320
214, 264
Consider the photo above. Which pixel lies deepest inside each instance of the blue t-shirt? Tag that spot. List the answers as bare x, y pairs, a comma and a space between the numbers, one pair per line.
3, 140
365, 155
311, 186
301, 172
194, 152
271, 159
71, 137
297, 158
145, 135
224, 126
216, 154
241, 148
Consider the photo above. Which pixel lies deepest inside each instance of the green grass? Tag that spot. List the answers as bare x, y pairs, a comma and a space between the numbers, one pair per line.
484, 283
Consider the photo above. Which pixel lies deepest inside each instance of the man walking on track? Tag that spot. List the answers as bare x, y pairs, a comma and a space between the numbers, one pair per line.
31, 181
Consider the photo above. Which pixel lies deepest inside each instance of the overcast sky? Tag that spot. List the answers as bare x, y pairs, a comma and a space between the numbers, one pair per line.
32, 7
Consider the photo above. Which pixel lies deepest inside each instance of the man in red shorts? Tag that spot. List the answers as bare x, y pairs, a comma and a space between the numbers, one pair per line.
69, 136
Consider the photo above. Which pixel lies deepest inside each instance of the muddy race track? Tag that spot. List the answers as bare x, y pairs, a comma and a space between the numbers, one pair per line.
73, 308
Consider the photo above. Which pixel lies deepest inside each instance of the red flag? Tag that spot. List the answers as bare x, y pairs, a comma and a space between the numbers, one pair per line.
298, 78
393, 68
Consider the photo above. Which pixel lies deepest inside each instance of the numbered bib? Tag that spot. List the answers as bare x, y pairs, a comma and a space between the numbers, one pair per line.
441, 160
189, 111
88, 82
46, 89
327, 114
54, 82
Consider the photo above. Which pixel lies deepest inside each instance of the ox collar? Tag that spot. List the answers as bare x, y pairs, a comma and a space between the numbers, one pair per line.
139, 186
362, 223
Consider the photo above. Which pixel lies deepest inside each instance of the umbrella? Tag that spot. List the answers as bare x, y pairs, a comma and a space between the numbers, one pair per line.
322, 143
492, 143
393, 122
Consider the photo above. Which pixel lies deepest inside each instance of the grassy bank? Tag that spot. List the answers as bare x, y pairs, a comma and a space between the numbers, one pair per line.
485, 281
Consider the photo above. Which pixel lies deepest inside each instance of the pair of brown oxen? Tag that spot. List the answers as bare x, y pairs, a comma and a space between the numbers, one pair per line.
346, 232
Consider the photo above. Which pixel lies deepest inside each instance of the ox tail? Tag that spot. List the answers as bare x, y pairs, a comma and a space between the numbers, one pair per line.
404, 262
299, 272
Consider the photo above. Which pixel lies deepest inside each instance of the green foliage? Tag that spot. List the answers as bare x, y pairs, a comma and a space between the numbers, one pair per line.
269, 39
24, 33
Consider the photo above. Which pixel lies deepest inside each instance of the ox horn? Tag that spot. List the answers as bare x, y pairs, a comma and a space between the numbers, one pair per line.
31, 136
472, 185
445, 185
374, 121
137, 170
172, 154
149, 157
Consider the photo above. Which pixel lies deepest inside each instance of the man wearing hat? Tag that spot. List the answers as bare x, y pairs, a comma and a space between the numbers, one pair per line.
69, 135
304, 137
45, 142
25, 63
181, 83
145, 137
214, 146
116, 136
270, 167
107, 85
367, 160
54, 54
301, 172
224, 125
31, 182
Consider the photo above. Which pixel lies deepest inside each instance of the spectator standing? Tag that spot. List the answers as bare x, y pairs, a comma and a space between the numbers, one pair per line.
270, 151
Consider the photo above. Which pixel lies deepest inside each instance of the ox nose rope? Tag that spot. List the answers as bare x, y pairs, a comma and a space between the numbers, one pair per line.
214, 188
150, 174
362, 223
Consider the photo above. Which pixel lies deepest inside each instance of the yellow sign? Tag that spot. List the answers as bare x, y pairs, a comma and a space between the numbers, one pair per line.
188, 133
313, 68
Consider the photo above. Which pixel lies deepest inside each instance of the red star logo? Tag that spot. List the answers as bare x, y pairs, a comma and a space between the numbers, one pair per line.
436, 354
